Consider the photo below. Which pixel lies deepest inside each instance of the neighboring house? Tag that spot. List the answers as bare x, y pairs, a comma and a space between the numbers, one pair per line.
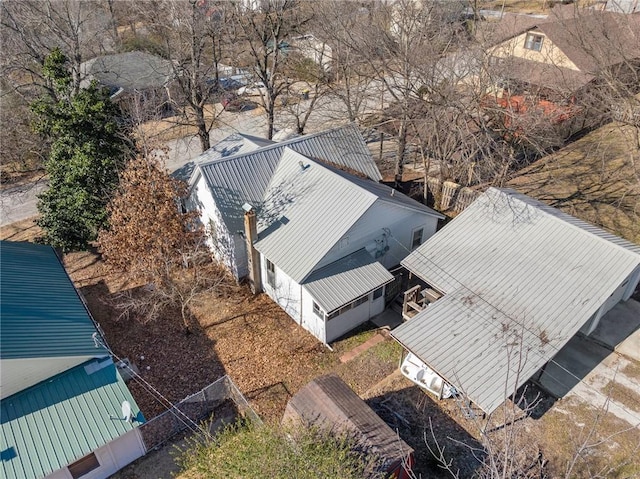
319, 239
565, 51
327, 402
517, 279
142, 83
314, 49
62, 395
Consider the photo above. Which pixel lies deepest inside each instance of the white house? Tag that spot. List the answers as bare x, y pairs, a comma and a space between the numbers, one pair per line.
516, 280
63, 398
319, 239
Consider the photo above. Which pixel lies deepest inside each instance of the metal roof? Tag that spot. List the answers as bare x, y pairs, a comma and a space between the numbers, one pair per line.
518, 277
233, 145
48, 426
347, 279
42, 313
130, 70
328, 402
238, 169
307, 209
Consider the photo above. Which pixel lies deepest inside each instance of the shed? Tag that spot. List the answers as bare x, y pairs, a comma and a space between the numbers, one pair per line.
329, 402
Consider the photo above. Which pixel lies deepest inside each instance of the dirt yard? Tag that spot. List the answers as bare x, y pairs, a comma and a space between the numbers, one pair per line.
269, 357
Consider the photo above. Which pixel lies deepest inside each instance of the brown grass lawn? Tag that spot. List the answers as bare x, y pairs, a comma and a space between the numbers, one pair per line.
596, 178
270, 357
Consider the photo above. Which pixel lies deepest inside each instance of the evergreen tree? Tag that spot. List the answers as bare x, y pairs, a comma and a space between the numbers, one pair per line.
88, 148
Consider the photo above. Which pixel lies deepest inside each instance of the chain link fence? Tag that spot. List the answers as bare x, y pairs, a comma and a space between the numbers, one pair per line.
192, 410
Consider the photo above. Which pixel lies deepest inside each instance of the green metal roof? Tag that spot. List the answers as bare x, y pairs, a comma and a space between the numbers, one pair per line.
56, 422
41, 313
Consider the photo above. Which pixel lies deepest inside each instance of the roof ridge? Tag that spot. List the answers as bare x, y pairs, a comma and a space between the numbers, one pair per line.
560, 215
276, 144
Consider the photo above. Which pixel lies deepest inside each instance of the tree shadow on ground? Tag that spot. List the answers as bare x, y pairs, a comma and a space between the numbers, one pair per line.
420, 422
174, 363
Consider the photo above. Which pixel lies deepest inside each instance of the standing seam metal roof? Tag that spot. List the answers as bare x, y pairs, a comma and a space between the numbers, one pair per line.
238, 169
305, 212
509, 262
42, 313
58, 421
347, 279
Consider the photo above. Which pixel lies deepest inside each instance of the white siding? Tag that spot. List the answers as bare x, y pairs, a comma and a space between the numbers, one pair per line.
310, 321
287, 293
224, 246
112, 457
369, 228
347, 321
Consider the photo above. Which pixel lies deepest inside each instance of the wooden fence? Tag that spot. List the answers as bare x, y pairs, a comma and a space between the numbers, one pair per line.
453, 197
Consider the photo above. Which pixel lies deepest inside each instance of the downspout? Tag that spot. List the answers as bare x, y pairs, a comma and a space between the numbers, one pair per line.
253, 257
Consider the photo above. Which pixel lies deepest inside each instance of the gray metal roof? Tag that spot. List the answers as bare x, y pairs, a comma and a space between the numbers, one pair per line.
514, 272
328, 401
347, 279
233, 145
42, 314
58, 421
131, 70
342, 146
238, 169
305, 212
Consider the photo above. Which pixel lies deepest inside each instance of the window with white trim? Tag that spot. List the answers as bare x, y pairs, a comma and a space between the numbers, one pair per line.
416, 239
377, 293
533, 42
317, 311
271, 274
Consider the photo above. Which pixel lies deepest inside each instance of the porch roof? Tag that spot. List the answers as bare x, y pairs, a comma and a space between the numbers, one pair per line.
346, 279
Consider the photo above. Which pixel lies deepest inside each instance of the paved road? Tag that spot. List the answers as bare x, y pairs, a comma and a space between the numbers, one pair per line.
20, 202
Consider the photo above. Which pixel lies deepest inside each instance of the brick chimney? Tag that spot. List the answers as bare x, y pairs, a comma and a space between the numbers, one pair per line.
253, 258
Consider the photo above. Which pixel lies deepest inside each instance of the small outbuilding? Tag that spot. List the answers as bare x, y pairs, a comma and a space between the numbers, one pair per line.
328, 402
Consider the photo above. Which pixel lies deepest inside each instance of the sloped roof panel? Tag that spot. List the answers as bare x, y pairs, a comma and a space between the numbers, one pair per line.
328, 402
129, 70
294, 230
539, 269
346, 279
342, 146
42, 313
56, 422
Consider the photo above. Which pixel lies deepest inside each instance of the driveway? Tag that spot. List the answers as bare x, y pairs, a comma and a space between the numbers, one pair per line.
603, 369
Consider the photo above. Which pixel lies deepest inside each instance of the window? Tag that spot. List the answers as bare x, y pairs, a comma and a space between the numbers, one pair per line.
317, 311
271, 274
344, 242
349, 306
533, 42
377, 293
416, 239
83, 466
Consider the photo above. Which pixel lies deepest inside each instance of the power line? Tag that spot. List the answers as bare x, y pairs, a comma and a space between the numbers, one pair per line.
157, 395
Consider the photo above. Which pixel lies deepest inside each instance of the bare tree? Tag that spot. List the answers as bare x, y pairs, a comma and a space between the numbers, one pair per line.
196, 37
265, 32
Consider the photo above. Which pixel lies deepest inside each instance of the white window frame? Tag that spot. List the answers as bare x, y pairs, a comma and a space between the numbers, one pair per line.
533, 41
317, 310
271, 273
413, 237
